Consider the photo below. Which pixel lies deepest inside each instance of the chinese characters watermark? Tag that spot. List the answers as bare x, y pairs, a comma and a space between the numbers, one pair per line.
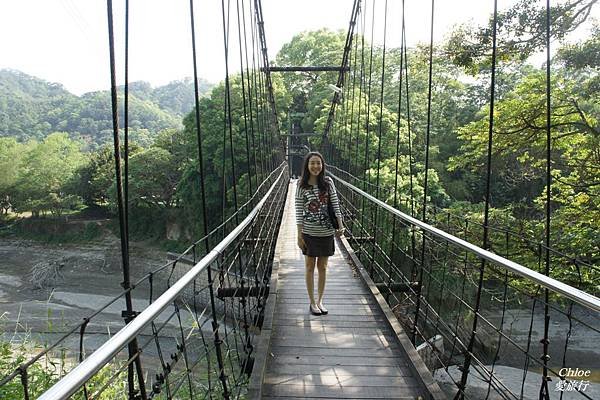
575, 380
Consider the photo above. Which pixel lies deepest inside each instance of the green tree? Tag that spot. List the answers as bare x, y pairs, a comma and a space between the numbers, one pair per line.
154, 178
308, 89
47, 169
11, 156
94, 179
519, 159
521, 32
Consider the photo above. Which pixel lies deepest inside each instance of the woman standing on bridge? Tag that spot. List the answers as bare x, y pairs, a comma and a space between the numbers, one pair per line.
315, 229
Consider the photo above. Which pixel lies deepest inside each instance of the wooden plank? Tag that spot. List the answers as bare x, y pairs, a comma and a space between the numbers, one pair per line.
331, 286
331, 277
340, 342
322, 398
341, 292
330, 300
293, 309
339, 392
318, 398
289, 360
275, 368
349, 380
328, 351
324, 323
329, 317
287, 330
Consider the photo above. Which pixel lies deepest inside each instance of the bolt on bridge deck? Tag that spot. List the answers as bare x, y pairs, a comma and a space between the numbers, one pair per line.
358, 350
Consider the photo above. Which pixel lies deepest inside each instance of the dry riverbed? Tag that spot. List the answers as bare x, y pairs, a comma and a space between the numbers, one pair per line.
89, 277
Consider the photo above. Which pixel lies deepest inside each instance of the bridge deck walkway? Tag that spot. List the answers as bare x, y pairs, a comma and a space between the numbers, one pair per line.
353, 352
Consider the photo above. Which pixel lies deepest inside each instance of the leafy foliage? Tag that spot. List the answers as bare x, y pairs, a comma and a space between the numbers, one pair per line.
44, 172
521, 32
519, 156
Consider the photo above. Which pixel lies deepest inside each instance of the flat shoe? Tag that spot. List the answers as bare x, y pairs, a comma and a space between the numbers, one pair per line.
323, 309
314, 310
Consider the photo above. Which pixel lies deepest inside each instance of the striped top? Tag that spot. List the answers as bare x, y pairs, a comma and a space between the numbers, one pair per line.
311, 209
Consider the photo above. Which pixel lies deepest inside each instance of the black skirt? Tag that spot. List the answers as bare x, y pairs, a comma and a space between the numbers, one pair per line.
317, 246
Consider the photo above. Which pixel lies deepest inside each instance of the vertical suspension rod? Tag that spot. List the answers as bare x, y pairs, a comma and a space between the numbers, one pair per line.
203, 192
263, 44
544, 394
344, 66
486, 216
126, 284
424, 213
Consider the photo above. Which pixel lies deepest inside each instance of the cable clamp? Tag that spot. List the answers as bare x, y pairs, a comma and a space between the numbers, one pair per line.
129, 315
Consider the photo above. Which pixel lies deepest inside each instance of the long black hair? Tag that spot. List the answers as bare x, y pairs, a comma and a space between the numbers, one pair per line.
306, 173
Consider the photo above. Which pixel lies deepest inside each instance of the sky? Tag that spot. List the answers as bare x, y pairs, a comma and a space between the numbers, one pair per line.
66, 41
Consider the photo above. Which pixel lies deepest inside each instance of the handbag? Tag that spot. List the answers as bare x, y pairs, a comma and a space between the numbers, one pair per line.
331, 212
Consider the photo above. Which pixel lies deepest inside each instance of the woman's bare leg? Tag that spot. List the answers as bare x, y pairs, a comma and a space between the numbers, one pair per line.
310, 278
322, 267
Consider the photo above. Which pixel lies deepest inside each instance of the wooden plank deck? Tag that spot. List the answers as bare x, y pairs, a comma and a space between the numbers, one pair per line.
351, 353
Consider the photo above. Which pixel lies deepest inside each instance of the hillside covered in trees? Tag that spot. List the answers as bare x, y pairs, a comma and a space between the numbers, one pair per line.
31, 108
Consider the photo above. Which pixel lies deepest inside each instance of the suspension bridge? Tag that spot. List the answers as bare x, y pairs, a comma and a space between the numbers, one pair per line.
417, 310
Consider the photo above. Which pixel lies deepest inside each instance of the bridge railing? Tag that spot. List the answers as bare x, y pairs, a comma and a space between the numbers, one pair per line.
485, 325
196, 338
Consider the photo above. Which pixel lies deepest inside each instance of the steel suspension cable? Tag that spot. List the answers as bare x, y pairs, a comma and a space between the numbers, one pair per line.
224, 186
243, 300
215, 324
249, 83
243, 82
130, 382
228, 128
410, 146
198, 127
228, 102
361, 81
344, 65
344, 138
400, 82
126, 120
381, 100
379, 133
545, 341
368, 100
397, 154
404, 67
349, 103
256, 88
486, 215
262, 101
126, 284
264, 85
345, 69
269, 84
408, 124
424, 215
366, 175
350, 141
